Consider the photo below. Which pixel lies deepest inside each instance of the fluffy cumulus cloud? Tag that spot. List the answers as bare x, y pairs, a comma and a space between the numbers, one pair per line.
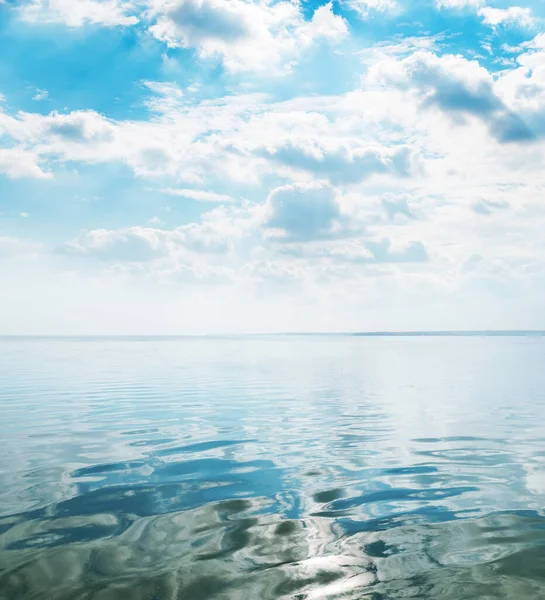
135, 244
458, 87
397, 207
523, 86
357, 252
513, 15
245, 138
109, 13
341, 161
247, 35
303, 211
18, 163
491, 15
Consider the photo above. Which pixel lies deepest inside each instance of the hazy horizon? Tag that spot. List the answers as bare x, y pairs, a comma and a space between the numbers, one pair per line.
408, 333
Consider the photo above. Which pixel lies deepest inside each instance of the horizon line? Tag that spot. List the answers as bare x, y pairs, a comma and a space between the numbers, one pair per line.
378, 333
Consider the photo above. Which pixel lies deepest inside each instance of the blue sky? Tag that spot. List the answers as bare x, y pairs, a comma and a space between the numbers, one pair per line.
215, 166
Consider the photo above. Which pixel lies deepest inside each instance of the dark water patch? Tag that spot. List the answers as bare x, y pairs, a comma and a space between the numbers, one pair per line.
393, 495
286, 527
328, 495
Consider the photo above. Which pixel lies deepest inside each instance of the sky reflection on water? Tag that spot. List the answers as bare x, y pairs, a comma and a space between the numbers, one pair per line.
272, 468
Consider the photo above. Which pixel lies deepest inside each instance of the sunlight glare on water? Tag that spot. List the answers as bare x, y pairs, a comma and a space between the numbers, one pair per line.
272, 468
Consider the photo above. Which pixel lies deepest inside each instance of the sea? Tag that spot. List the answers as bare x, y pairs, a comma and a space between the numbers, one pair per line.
357, 467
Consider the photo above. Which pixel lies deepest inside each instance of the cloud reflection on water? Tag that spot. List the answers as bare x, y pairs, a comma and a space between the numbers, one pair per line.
279, 469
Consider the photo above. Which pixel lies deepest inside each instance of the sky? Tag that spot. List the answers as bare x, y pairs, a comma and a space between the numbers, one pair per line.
250, 166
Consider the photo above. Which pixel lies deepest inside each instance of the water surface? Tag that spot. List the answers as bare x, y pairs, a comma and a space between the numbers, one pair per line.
272, 468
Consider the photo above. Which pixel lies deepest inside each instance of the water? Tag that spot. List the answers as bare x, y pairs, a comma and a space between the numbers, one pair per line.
272, 468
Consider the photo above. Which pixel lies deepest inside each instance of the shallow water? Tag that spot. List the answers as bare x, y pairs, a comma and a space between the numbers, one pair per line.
272, 468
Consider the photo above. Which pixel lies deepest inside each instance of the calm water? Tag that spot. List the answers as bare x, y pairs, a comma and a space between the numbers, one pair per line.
272, 468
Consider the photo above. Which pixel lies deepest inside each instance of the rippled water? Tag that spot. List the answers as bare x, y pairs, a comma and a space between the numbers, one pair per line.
272, 468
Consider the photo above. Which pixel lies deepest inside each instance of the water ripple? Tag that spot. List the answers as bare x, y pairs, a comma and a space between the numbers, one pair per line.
278, 468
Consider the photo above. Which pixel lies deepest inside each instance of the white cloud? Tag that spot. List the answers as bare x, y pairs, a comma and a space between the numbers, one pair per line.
338, 209
459, 3
198, 195
141, 244
396, 206
513, 15
325, 24
17, 163
342, 160
75, 13
272, 273
400, 192
364, 7
242, 139
458, 87
131, 244
40, 95
303, 212
382, 251
247, 35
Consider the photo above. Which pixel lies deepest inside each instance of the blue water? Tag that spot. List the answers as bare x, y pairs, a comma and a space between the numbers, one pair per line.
272, 468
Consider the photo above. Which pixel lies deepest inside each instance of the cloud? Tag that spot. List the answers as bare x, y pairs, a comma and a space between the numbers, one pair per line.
339, 161
273, 273
76, 13
141, 244
246, 35
513, 15
487, 207
79, 126
350, 212
17, 163
368, 252
238, 138
492, 16
40, 95
384, 251
303, 212
456, 86
458, 3
364, 7
130, 244
523, 87
397, 206
198, 195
